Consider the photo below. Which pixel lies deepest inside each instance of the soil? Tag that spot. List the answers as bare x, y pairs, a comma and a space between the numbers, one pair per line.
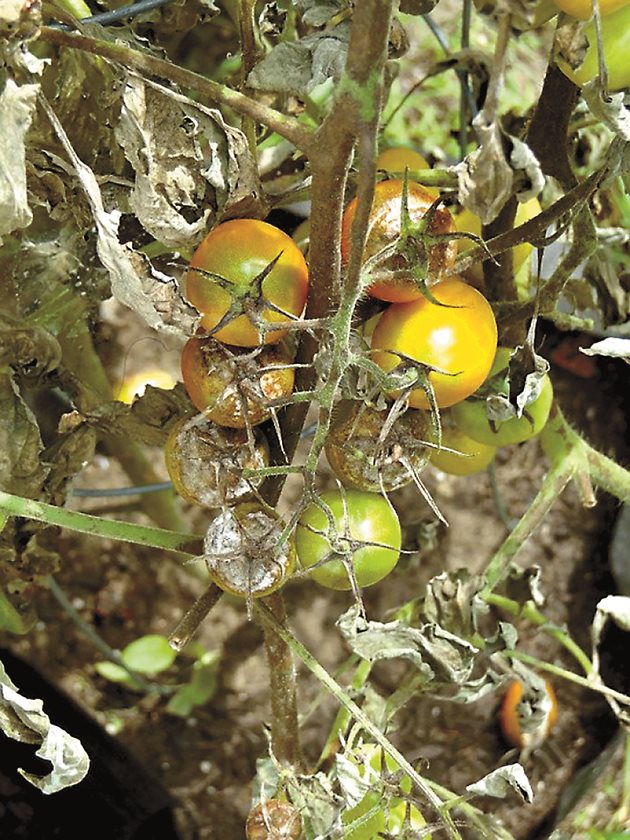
206, 762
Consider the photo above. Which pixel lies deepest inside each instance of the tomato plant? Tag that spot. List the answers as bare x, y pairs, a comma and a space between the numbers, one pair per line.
384, 231
235, 388
528, 714
352, 532
472, 415
244, 264
468, 456
459, 339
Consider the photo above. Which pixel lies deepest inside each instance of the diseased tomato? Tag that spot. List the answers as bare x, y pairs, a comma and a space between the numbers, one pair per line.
358, 458
364, 535
205, 462
583, 9
397, 159
459, 339
134, 386
527, 717
468, 222
240, 252
615, 28
388, 820
274, 819
384, 231
229, 385
242, 551
472, 416
469, 456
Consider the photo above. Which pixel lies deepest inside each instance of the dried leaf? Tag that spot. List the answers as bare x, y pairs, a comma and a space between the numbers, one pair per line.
24, 720
296, 67
190, 166
152, 294
609, 108
451, 601
503, 781
21, 469
484, 176
430, 648
17, 106
616, 348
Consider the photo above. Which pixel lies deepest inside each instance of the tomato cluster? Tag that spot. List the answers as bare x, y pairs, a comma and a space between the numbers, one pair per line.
245, 278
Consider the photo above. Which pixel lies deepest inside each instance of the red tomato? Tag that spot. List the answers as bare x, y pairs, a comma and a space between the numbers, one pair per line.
239, 252
460, 341
384, 230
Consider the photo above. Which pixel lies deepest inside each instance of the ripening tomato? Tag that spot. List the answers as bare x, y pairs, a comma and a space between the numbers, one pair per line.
459, 339
366, 534
527, 719
615, 28
472, 418
583, 9
398, 159
235, 387
469, 456
389, 819
134, 386
468, 222
384, 230
239, 252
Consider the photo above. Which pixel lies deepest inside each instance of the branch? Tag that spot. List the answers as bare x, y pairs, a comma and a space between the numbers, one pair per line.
215, 93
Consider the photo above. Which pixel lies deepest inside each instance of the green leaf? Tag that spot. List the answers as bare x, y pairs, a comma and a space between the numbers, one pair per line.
199, 690
149, 655
112, 672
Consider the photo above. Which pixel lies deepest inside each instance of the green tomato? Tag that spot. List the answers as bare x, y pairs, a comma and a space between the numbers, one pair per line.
615, 27
471, 416
360, 518
389, 819
470, 456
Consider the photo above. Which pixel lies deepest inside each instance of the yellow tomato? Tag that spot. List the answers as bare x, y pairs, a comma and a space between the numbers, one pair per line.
399, 159
583, 9
467, 222
134, 386
616, 40
469, 456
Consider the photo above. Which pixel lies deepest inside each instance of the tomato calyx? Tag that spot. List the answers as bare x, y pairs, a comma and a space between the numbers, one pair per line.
247, 299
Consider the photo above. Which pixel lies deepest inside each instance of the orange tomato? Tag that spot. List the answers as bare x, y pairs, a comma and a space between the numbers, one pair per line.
526, 721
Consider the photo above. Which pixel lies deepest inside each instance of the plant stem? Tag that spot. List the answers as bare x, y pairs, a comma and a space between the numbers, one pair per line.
285, 742
568, 675
77, 8
248, 52
530, 612
99, 643
343, 717
97, 526
263, 611
213, 92
552, 486
192, 618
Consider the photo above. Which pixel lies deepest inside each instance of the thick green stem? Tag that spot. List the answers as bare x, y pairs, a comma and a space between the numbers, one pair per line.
98, 527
